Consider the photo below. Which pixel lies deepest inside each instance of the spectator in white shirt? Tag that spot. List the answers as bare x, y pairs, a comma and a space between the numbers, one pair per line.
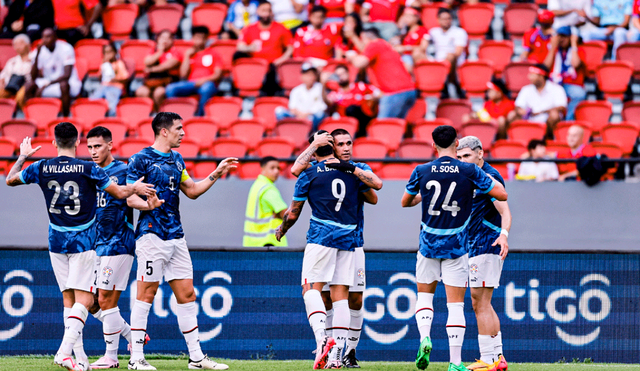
305, 100
450, 43
19, 66
541, 101
54, 73
571, 13
538, 171
290, 13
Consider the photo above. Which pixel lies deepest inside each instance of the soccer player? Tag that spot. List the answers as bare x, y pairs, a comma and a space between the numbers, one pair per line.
343, 148
160, 245
69, 188
446, 185
331, 241
488, 247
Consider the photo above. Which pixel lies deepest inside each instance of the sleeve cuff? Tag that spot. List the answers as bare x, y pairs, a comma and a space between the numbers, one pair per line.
493, 184
299, 198
493, 199
21, 177
410, 192
107, 185
129, 181
365, 190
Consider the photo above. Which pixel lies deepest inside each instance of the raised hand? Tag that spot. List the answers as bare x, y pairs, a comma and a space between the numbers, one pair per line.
26, 149
224, 167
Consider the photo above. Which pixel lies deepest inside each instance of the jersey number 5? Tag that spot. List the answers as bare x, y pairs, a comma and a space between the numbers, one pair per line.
73, 196
453, 208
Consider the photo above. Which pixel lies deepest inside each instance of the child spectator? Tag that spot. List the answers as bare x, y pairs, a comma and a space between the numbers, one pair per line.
113, 74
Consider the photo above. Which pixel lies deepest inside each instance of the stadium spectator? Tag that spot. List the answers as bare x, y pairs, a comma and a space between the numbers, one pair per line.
161, 68
53, 73
536, 41
353, 99
114, 75
535, 170
612, 18
17, 70
449, 42
26, 16
350, 43
316, 42
241, 13
382, 15
541, 101
577, 149
634, 27
566, 62
570, 13
267, 40
200, 70
496, 107
290, 13
337, 9
399, 92
305, 100
415, 38
74, 18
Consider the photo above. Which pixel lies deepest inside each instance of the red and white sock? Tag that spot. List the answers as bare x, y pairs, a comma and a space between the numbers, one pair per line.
424, 314
139, 316
188, 323
456, 326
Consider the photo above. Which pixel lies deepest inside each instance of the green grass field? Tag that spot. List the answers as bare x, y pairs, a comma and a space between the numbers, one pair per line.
42, 363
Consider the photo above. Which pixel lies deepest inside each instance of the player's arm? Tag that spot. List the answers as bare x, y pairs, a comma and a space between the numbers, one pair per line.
302, 162
368, 178
124, 191
194, 189
370, 197
152, 202
412, 195
289, 219
26, 151
505, 213
409, 200
498, 192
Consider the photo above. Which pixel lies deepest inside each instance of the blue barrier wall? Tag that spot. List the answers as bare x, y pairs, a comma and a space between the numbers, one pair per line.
551, 306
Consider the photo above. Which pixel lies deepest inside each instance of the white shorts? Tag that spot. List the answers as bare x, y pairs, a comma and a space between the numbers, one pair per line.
452, 272
113, 272
327, 264
74, 271
359, 278
485, 270
158, 258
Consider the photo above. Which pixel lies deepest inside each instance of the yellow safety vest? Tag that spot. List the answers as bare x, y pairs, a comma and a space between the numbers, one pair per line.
260, 225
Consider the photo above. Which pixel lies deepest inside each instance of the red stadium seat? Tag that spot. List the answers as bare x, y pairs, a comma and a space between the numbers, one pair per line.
249, 130
118, 20
508, 149
295, 130
249, 170
474, 76
476, 19
498, 52
229, 147
631, 111
389, 130
42, 110
131, 146
264, 107
429, 14
6, 51
289, 73
202, 170
553, 147
7, 108
396, 171
182, 45
79, 124
276, 147
137, 50
594, 54
18, 129
630, 52
201, 130
485, 131
415, 149
82, 68
144, 130
225, 49
91, 51
188, 149
417, 112
347, 123
369, 148
595, 112
623, 134
519, 18
117, 127
613, 77
560, 132
612, 150
515, 75
424, 128
89, 110
163, 17
7, 149
134, 109
248, 74
224, 110
523, 131
454, 109
431, 77
47, 150
210, 15
185, 107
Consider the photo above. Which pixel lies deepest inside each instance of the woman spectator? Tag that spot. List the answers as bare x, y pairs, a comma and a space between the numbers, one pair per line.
414, 41
496, 107
351, 41
114, 74
17, 70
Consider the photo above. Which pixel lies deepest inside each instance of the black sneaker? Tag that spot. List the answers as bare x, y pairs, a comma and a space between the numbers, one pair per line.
350, 360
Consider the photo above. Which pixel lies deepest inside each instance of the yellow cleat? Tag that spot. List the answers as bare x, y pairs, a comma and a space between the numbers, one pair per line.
480, 365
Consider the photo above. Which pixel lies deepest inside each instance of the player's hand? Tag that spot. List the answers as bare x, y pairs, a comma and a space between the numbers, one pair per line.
26, 149
321, 140
504, 245
143, 189
154, 202
342, 165
279, 233
224, 167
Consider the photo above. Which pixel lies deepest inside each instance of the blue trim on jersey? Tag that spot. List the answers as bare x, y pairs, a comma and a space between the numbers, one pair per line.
21, 177
78, 228
160, 152
411, 193
109, 166
130, 226
445, 232
299, 198
497, 229
106, 185
129, 181
335, 224
493, 184
493, 199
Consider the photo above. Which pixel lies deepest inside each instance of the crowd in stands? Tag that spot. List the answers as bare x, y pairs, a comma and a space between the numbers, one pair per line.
387, 70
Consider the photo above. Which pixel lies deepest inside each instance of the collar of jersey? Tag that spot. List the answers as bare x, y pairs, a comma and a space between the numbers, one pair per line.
160, 152
109, 166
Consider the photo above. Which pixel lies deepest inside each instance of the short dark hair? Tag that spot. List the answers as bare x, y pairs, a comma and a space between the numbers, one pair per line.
100, 131
340, 132
200, 29
443, 10
324, 150
444, 136
372, 32
318, 8
66, 135
163, 120
265, 160
533, 143
263, 2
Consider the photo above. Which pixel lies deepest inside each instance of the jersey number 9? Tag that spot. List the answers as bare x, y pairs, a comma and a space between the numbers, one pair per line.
339, 195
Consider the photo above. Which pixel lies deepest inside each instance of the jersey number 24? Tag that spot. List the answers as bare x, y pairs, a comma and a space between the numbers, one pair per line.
453, 207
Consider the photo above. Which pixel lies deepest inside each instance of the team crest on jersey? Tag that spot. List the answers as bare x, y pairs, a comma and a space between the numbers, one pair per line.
107, 271
114, 179
473, 268
360, 273
179, 165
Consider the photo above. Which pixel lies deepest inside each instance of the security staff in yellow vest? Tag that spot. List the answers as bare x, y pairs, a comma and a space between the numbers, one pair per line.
265, 207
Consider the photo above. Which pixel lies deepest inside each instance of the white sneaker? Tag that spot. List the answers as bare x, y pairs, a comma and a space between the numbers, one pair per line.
140, 364
65, 361
207, 364
82, 365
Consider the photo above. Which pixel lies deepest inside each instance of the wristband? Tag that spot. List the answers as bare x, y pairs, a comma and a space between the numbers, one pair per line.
504, 232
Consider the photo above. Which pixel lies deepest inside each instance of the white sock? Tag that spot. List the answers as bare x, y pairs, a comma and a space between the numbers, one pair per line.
73, 329
456, 325
126, 331
316, 314
98, 315
497, 344
486, 345
424, 314
188, 323
329, 323
355, 327
139, 315
341, 320
78, 347
111, 328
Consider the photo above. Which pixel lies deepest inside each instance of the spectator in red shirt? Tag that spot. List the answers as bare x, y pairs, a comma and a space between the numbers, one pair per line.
566, 62
577, 149
353, 99
496, 107
336, 9
161, 68
200, 70
316, 41
634, 25
382, 15
350, 41
30, 17
536, 40
415, 40
70, 19
399, 91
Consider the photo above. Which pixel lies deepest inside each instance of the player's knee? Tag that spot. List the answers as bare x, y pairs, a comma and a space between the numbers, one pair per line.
186, 296
326, 298
355, 300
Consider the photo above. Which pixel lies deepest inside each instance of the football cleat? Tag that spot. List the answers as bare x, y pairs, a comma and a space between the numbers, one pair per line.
146, 340
481, 365
140, 364
105, 362
501, 364
333, 364
350, 360
82, 365
65, 361
422, 358
206, 364
459, 367
323, 353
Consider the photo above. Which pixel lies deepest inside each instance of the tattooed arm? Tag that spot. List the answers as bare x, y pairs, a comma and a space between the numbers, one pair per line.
290, 218
302, 162
368, 178
26, 151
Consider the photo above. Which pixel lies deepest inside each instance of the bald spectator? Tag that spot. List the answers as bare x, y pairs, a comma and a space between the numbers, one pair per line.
577, 149
17, 70
532, 168
536, 41
74, 18
612, 18
27, 16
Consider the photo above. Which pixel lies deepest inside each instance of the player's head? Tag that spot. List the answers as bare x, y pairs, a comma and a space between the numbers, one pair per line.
445, 137
470, 150
575, 135
537, 148
342, 144
323, 151
99, 143
270, 167
66, 136
167, 126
